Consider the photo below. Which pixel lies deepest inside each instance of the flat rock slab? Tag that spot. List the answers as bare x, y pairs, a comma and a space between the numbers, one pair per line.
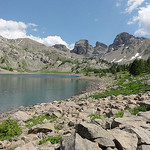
144, 147
76, 142
129, 121
92, 132
124, 140
142, 134
145, 115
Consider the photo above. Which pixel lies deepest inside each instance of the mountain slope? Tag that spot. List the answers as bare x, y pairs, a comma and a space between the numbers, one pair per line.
126, 48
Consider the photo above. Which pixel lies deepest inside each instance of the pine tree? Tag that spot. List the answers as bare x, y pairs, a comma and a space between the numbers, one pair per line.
135, 68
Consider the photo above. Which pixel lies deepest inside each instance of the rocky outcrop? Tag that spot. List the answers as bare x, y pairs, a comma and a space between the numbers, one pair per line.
61, 47
83, 47
99, 50
127, 47
74, 122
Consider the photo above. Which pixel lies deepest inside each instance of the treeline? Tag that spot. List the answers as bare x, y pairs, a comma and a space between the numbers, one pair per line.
137, 67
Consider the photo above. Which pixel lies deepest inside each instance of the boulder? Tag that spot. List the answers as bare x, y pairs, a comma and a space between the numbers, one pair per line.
28, 146
144, 147
20, 116
124, 140
132, 121
142, 134
145, 115
92, 131
49, 127
105, 143
76, 142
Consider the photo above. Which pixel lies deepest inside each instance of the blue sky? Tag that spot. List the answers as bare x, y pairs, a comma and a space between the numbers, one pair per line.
64, 21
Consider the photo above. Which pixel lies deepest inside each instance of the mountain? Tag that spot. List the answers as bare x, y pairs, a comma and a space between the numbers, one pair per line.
82, 47
127, 47
25, 55
124, 49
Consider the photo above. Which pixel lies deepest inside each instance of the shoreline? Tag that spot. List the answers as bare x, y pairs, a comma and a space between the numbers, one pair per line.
95, 84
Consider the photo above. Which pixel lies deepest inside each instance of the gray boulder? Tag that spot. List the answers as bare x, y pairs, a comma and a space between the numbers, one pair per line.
76, 142
92, 131
124, 140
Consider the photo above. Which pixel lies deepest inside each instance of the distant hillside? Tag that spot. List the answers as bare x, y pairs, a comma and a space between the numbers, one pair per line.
26, 55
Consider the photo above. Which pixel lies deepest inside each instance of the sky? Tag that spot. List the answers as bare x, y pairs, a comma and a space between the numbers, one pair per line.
67, 21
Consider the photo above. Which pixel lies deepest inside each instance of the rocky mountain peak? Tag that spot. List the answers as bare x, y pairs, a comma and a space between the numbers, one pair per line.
99, 44
82, 47
61, 47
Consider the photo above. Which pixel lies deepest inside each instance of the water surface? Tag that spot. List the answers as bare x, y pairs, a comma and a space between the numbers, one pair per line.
29, 89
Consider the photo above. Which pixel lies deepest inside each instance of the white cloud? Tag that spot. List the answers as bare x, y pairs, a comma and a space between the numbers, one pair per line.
49, 41
13, 30
133, 4
143, 20
142, 17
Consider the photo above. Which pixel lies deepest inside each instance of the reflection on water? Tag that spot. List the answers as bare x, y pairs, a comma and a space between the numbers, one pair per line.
24, 90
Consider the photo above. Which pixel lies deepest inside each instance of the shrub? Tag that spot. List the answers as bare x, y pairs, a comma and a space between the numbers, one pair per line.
9, 129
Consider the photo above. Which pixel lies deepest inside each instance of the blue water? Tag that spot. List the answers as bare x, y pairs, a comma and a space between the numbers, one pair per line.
29, 89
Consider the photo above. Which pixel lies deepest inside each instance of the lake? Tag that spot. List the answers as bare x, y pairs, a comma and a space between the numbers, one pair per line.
29, 89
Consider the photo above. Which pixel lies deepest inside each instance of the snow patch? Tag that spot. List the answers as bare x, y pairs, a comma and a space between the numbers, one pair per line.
136, 55
119, 60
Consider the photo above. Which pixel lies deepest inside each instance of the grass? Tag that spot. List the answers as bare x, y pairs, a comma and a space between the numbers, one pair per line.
134, 111
9, 129
53, 140
133, 86
95, 116
39, 120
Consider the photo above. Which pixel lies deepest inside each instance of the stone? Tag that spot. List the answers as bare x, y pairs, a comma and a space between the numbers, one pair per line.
144, 147
76, 142
124, 140
20, 116
142, 134
28, 146
92, 131
112, 112
104, 142
4, 144
49, 127
126, 114
128, 121
145, 115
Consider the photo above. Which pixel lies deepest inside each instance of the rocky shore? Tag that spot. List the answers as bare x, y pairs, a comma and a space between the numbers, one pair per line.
83, 123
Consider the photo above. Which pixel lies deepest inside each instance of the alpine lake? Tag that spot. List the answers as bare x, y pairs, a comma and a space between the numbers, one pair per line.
28, 89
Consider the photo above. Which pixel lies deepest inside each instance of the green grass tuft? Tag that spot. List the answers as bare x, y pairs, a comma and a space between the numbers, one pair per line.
53, 140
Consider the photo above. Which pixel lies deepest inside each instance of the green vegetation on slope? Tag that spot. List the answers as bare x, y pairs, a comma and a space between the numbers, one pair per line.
39, 120
9, 129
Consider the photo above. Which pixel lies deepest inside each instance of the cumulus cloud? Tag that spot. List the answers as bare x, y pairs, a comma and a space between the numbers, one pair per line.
142, 17
13, 30
49, 41
133, 4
